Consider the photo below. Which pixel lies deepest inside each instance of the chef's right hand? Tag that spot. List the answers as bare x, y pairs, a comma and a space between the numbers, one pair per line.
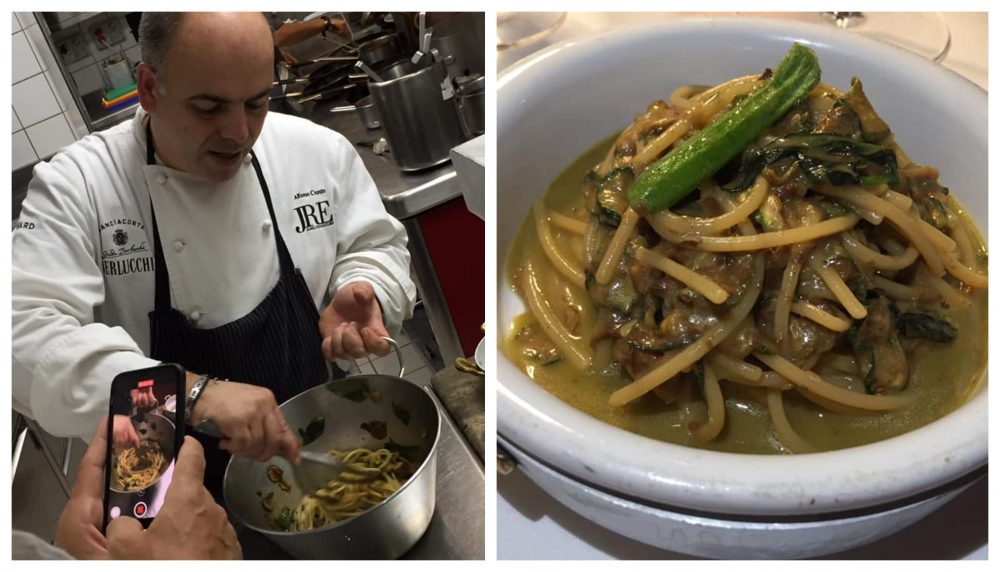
123, 433
190, 526
250, 419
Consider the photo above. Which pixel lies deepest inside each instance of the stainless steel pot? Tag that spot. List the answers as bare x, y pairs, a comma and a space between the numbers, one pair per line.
418, 113
471, 101
379, 50
365, 109
461, 39
354, 410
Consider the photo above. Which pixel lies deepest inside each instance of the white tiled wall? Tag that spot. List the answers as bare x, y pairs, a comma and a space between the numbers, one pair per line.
45, 117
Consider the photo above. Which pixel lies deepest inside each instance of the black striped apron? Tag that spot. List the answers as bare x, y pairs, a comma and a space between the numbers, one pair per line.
277, 345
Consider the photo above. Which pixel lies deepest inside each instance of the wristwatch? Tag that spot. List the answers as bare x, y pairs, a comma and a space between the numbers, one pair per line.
196, 391
328, 26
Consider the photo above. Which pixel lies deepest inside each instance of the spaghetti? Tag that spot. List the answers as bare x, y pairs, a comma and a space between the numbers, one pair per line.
136, 468
343, 499
813, 271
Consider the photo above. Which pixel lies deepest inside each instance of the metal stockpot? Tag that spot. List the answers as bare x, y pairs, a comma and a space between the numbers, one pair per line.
417, 109
366, 111
379, 50
471, 100
354, 410
461, 39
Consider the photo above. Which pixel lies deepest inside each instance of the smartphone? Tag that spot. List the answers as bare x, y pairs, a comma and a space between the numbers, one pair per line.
145, 433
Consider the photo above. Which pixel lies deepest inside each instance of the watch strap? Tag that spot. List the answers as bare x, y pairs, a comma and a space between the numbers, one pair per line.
196, 391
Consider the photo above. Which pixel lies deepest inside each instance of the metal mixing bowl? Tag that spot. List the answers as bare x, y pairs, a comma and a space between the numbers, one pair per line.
354, 409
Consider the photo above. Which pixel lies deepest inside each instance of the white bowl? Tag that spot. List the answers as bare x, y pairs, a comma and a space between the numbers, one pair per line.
554, 106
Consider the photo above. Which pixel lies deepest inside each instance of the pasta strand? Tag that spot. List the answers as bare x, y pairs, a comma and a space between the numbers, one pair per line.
761, 241
564, 266
697, 282
814, 383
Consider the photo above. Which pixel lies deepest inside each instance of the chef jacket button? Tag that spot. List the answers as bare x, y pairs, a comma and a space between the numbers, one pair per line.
266, 226
161, 178
196, 315
247, 159
178, 245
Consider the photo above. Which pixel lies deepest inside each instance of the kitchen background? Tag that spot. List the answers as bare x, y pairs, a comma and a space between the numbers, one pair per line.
64, 64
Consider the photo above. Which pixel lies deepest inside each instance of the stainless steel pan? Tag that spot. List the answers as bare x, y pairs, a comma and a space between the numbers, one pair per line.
362, 411
365, 109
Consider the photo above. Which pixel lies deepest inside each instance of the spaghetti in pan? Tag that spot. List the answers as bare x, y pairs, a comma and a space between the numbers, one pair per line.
135, 468
753, 267
348, 496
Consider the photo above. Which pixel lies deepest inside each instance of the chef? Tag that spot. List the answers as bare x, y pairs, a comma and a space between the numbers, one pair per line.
251, 248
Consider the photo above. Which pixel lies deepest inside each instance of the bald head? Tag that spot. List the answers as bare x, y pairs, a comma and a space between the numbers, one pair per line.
205, 80
231, 35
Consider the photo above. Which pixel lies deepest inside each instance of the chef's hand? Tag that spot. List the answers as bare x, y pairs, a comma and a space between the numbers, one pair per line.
144, 398
190, 526
352, 324
250, 419
123, 433
79, 528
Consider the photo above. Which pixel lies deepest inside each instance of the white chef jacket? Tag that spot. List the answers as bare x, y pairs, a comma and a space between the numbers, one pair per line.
83, 277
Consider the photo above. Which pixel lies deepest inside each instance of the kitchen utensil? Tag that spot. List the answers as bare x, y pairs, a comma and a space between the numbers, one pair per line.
460, 40
471, 100
371, 73
325, 94
418, 114
378, 50
324, 59
362, 411
291, 81
316, 470
365, 108
422, 39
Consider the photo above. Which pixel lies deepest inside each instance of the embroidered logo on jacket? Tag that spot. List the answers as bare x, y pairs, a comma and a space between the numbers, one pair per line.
124, 255
313, 216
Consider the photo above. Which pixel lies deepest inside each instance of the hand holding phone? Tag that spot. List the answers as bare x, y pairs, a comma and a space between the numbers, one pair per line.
142, 441
81, 521
190, 526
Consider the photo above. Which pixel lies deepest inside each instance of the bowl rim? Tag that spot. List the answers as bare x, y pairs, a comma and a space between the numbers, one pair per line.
730, 483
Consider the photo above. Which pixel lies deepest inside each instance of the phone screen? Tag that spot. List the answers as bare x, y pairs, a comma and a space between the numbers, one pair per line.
145, 432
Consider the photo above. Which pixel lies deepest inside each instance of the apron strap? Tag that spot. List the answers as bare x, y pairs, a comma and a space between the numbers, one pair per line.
162, 295
283, 256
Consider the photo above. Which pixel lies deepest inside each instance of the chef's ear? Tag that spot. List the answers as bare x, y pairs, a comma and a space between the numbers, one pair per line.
149, 87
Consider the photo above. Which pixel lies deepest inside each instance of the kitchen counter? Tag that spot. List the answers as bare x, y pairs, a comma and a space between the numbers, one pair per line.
404, 194
463, 394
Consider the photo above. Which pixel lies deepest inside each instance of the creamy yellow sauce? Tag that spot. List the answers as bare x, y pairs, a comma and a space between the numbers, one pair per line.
942, 378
